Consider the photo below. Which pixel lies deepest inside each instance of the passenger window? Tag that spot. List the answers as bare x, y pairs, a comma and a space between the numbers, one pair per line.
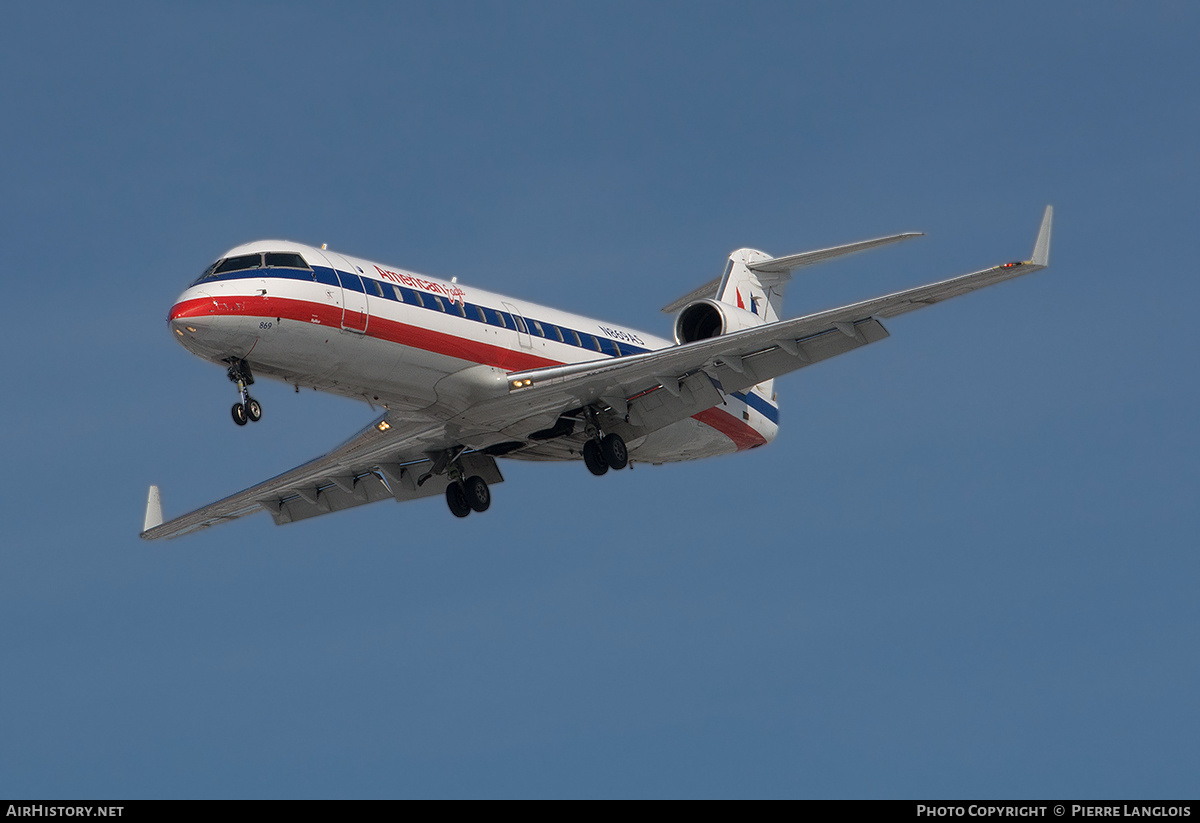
378, 287
592, 342
437, 302
399, 294
500, 320
537, 328
239, 263
482, 316
519, 322
461, 308
573, 338
285, 260
416, 295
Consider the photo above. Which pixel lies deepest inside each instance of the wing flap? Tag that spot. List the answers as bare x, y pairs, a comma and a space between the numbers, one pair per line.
387, 481
348, 476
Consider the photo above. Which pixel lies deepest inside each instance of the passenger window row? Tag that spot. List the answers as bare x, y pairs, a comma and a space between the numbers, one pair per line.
229, 266
476, 313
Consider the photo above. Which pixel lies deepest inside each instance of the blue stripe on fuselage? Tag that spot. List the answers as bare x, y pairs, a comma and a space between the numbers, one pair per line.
322, 274
760, 405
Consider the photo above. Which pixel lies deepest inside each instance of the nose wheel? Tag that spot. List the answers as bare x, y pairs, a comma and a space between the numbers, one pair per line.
247, 409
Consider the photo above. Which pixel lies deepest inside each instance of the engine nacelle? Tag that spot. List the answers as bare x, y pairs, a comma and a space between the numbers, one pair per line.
709, 318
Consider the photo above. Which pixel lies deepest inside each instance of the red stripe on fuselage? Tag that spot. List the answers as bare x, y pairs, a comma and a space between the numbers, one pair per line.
743, 435
379, 327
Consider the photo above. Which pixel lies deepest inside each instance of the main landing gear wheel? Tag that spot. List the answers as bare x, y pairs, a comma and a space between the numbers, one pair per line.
457, 501
612, 449
475, 491
593, 459
254, 410
239, 414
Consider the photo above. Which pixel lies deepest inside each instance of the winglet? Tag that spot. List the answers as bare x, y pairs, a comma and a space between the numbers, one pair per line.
1041, 249
153, 510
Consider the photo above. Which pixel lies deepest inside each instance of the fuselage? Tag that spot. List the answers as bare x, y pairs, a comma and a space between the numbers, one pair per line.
418, 344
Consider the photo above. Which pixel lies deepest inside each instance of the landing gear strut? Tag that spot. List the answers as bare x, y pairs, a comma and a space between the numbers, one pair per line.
247, 409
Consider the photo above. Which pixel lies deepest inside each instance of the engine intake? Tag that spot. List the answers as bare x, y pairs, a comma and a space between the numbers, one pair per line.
710, 318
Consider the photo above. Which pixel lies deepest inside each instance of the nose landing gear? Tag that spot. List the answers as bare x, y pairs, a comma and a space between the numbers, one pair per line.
247, 409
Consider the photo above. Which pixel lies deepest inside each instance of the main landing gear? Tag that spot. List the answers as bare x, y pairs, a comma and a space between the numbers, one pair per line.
603, 452
248, 409
465, 496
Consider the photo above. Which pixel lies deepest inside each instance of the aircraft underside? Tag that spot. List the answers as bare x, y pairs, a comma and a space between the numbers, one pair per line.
406, 380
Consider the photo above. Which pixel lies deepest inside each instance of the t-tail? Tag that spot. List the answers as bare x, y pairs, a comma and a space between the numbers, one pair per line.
753, 283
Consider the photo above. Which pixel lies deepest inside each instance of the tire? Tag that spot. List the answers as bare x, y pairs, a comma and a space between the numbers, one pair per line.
253, 410
612, 448
476, 493
593, 459
239, 414
457, 501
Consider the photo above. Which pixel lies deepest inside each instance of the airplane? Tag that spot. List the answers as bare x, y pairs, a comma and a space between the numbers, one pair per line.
465, 376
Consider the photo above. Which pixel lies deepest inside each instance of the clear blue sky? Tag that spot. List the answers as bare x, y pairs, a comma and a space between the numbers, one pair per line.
967, 567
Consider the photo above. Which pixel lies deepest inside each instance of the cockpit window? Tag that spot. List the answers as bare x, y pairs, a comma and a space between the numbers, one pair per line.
207, 273
240, 263
285, 260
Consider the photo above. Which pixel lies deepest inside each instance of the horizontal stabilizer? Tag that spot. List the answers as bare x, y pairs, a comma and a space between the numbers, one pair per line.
709, 289
782, 265
779, 269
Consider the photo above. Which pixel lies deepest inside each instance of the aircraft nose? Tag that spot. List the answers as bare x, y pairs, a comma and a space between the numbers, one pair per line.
192, 320
191, 305
209, 328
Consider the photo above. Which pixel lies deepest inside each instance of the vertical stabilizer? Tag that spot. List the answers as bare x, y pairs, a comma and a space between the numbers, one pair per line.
748, 290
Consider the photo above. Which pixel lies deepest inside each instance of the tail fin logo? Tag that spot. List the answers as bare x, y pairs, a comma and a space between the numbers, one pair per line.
753, 301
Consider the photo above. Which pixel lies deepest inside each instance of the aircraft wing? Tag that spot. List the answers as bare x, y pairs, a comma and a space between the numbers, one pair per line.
739, 360
383, 461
